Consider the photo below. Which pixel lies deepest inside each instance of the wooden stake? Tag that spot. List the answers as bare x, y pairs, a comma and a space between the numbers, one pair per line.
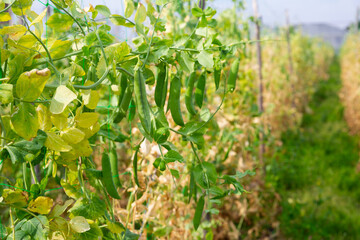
260, 84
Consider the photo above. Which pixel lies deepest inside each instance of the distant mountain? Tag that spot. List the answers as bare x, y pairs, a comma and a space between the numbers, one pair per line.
331, 34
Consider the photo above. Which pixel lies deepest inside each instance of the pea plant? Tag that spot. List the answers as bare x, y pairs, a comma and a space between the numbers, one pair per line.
73, 97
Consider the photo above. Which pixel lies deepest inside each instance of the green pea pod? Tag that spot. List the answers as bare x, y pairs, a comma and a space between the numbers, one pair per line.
135, 161
189, 99
107, 176
122, 87
217, 76
124, 99
91, 74
200, 90
114, 167
161, 86
174, 101
231, 84
141, 101
26, 176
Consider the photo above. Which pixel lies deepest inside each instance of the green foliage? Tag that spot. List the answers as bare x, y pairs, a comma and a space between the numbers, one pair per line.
316, 174
80, 90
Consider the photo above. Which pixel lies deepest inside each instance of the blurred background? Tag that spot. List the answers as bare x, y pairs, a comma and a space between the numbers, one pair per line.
327, 19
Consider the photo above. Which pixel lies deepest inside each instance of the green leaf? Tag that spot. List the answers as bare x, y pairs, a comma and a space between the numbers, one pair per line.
105, 38
6, 93
209, 12
94, 233
205, 114
79, 224
62, 97
175, 173
205, 174
103, 10
60, 209
197, 12
163, 231
35, 228
30, 85
161, 2
129, 8
130, 235
206, 59
205, 32
198, 212
140, 15
16, 154
186, 62
89, 209
120, 21
60, 22
161, 135
25, 121
173, 156
35, 145
21, 6
115, 227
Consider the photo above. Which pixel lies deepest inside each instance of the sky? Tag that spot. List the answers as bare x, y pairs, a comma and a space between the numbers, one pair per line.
339, 13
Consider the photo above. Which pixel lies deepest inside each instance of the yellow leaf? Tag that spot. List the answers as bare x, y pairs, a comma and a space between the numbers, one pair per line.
43, 117
140, 15
90, 97
4, 17
60, 47
83, 148
59, 121
56, 143
129, 8
87, 119
41, 205
15, 31
39, 18
62, 97
30, 85
72, 135
14, 197
89, 132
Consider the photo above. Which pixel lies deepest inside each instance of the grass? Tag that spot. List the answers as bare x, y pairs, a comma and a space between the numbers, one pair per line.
316, 172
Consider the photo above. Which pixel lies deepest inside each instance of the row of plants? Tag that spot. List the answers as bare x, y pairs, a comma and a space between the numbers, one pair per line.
349, 95
146, 138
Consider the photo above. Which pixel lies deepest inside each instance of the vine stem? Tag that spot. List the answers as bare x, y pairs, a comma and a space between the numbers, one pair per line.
5, 9
3, 133
152, 37
76, 21
50, 60
12, 223
81, 180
